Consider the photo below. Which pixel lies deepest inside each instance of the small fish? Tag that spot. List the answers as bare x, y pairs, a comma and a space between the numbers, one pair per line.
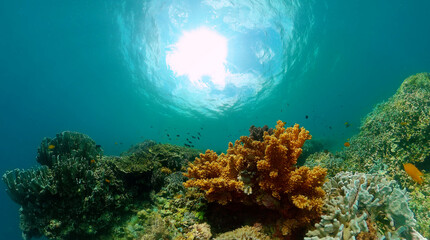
193, 137
199, 134
170, 139
306, 116
198, 138
98, 146
329, 127
120, 143
168, 135
346, 144
178, 135
347, 124
413, 171
201, 128
93, 161
51, 146
186, 145
107, 180
403, 123
192, 146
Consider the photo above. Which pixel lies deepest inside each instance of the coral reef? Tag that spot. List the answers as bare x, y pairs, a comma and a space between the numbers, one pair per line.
395, 132
361, 206
246, 232
257, 133
149, 163
79, 194
419, 203
67, 145
74, 194
264, 173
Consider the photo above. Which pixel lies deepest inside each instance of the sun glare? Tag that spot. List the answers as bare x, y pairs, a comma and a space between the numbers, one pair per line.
200, 53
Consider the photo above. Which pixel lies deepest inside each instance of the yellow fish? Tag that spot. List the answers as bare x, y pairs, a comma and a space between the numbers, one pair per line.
403, 123
413, 171
51, 146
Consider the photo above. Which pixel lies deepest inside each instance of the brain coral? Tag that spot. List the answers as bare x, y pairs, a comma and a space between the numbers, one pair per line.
264, 173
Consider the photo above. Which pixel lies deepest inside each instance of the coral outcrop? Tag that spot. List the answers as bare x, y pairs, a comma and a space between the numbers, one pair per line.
396, 131
73, 194
364, 206
246, 232
264, 173
78, 193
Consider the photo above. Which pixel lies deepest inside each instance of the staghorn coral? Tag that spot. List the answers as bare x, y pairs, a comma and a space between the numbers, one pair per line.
264, 173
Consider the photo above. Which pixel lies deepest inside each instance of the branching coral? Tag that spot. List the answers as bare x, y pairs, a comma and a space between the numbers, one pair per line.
264, 173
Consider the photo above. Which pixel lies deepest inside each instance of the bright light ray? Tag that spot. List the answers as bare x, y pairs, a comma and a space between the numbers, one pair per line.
198, 53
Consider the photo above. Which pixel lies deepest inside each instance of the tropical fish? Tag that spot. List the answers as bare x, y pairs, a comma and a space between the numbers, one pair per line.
306, 116
413, 171
107, 180
51, 146
347, 124
346, 144
403, 123
93, 161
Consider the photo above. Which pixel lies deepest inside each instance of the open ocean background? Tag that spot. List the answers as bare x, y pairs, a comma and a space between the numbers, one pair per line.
64, 66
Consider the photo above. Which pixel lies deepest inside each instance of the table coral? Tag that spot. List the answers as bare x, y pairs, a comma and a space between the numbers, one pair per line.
264, 173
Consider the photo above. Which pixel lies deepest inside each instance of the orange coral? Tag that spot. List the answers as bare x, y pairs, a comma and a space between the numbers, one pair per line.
264, 173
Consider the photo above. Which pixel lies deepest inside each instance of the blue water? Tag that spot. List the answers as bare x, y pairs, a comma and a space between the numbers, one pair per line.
83, 66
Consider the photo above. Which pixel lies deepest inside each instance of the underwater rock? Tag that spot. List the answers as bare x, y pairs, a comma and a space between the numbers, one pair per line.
364, 203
